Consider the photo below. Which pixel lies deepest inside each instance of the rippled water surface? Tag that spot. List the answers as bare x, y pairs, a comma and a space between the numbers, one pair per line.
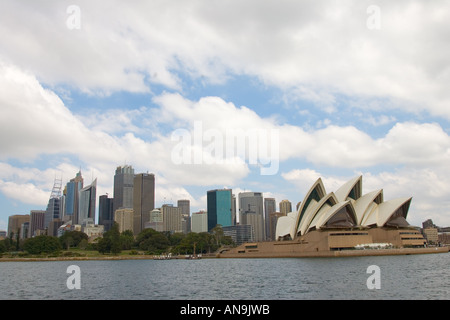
402, 277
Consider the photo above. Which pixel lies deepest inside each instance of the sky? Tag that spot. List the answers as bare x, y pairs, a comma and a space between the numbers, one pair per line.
263, 96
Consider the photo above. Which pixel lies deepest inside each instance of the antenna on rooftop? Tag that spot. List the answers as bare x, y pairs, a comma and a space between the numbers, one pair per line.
56, 190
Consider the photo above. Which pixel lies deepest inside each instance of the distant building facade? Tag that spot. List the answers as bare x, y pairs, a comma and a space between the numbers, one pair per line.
241, 233
199, 222
143, 199
87, 204
124, 218
123, 187
171, 218
270, 206
251, 212
105, 212
219, 208
37, 218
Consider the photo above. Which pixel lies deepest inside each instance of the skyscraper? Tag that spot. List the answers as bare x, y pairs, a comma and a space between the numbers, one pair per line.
15, 222
285, 207
219, 208
53, 211
123, 187
185, 206
55, 206
269, 207
199, 222
87, 203
171, 218
251, 212
71, 193
143, 199
105, 212
36, 221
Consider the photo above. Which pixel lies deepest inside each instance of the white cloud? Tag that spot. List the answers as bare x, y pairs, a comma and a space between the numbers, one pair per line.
318, 51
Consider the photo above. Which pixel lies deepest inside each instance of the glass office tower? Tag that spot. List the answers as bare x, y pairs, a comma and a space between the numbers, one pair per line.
219, 208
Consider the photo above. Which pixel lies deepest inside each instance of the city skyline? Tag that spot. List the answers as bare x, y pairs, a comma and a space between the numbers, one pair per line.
224, 209
283, 94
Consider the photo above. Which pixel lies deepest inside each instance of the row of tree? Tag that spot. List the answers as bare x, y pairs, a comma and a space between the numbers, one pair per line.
154, 242
113, 242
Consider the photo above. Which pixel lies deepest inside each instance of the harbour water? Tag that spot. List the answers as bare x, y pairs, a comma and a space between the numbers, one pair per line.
401, 277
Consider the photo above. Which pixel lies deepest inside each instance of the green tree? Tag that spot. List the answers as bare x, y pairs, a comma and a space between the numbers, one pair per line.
152, 241
3, 246
127, 240
72, 238
42, 244
110, 243
114, 233
218, 234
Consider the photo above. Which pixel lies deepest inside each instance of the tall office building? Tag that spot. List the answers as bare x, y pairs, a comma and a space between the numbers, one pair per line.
143, 199
251, 212
123, 187
185, 206
105, 212
171, 218
156, 220
53, 211
36, 221
199, 222
270, 206
219, 208
124, 218
285, 207
15, 224
71, 193
87, 202
233, 210
55, 206
273, 220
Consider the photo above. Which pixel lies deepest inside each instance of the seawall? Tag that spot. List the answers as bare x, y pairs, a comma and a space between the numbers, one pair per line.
342, 253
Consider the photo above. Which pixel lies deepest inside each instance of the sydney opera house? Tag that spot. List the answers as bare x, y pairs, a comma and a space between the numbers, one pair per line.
344, 222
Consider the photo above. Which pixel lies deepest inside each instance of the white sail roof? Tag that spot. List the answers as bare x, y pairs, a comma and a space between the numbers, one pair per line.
347, 207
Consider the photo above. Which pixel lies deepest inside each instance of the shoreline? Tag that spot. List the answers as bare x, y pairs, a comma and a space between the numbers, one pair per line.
342, 253
323, 254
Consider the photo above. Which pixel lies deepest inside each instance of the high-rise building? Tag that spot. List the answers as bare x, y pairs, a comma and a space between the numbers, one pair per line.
285, 207
71, 193
199, 222
55, 206
143, 199
15, 223
123, 187
251, 212
171, 218
219, 208
53, 211
37, 218
124, 218
185, 206
105, 212
87, 202
270, 206
273, 219
156, 220
233, 210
